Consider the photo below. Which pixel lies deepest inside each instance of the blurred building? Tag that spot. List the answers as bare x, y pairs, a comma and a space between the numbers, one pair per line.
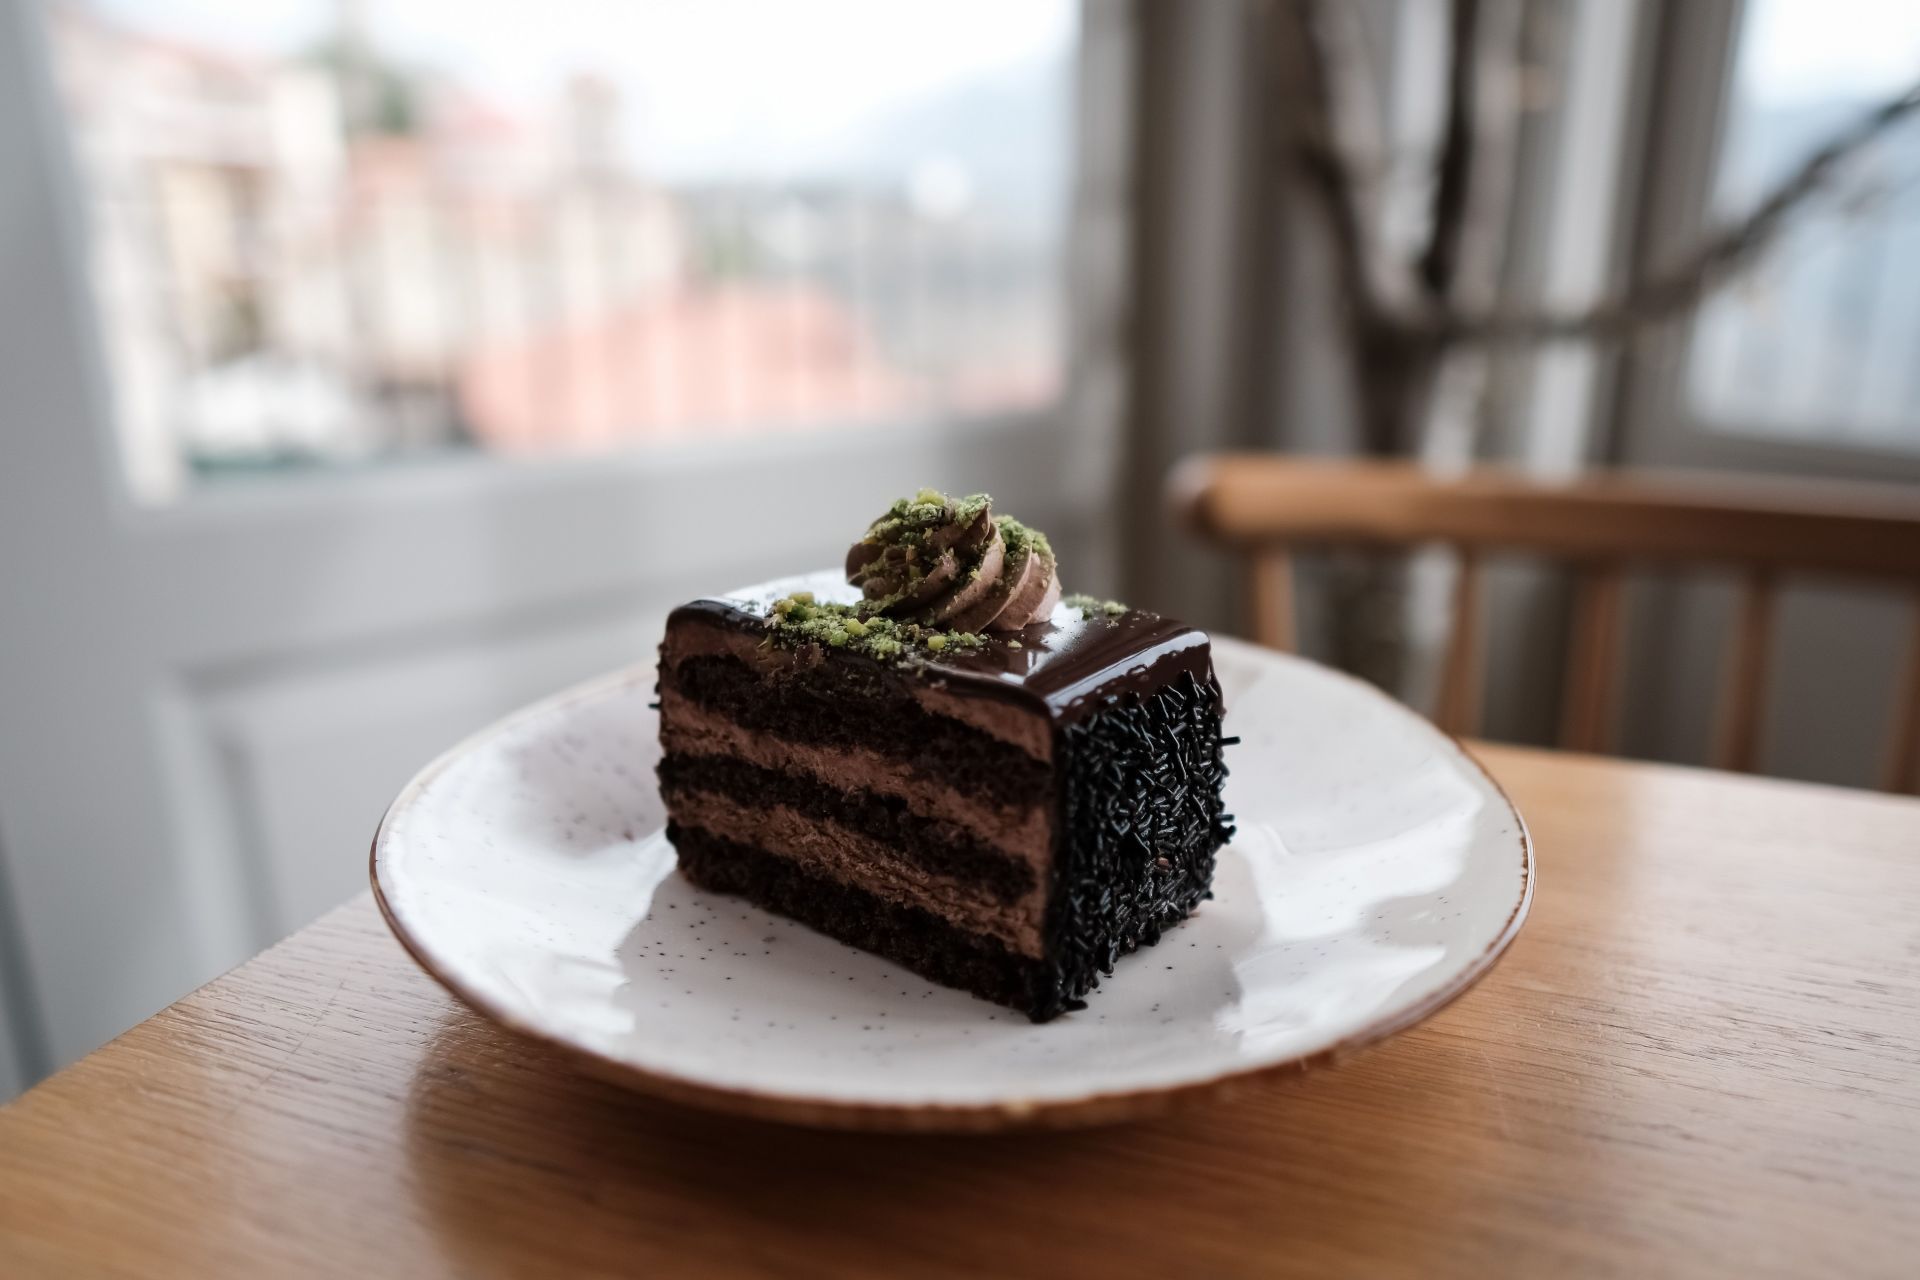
281, 279
325, 258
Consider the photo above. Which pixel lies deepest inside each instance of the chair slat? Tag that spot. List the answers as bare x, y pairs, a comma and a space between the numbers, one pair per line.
1586, 717
1743, 701
1458, 710
1903, 753
1803, 525
1270, 597
1600, 522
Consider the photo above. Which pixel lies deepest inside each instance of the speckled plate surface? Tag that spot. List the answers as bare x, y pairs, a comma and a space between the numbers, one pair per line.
1378, 872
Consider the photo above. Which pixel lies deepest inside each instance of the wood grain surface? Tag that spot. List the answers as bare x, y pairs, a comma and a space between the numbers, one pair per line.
1702, 1057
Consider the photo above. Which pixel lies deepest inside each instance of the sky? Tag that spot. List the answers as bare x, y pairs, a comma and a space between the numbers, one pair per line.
716, 87
720, 87
1799, 51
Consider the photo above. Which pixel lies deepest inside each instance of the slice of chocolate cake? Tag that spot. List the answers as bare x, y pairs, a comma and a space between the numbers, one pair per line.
939, 762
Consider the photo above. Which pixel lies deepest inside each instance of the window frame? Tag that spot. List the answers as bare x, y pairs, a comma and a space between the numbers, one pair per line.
130, 620
1057, 463
1685, 109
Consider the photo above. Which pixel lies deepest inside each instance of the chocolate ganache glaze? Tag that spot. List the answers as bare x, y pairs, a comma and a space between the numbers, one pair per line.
1068, 664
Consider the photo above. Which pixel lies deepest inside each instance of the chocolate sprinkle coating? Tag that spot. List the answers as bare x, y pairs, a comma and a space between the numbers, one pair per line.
1141, 823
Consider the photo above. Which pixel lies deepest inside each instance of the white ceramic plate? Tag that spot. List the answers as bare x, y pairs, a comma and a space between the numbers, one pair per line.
1378, 872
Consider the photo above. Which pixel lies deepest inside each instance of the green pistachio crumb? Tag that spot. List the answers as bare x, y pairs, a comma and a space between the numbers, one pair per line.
1019, 537
859, 628
913, 539
968, 509
1091, 607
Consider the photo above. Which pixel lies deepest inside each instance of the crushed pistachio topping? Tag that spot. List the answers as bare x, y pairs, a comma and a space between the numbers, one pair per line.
1091, 607
954, 563
909, 520
799, 619
1019, 537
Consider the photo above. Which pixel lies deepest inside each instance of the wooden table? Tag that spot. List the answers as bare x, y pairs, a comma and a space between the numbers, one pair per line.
1702, 1056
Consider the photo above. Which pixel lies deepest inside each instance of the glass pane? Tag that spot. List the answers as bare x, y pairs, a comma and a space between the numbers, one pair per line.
327, 232
1822, 342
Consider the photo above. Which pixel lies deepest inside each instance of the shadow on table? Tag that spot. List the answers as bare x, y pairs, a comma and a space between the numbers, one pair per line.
525, 1165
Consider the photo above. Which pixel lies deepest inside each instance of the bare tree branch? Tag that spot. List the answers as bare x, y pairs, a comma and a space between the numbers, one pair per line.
1455, 165
1714, 259
1377, 340
1318, 159
1482, 249
1355, 100
1339, 146
1456, 406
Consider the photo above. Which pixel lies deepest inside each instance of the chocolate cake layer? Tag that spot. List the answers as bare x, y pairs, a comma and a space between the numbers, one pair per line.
913, 938
1026, 833
698, 632
830, 706
936, 847
847, 857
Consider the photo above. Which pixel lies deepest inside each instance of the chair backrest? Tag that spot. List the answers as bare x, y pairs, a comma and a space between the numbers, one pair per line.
1600, 524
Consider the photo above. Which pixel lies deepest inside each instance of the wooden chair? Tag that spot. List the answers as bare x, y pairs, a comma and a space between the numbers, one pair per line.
1600, 524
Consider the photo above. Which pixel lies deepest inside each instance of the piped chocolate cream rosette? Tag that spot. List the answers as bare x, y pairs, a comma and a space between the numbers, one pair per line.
950, 562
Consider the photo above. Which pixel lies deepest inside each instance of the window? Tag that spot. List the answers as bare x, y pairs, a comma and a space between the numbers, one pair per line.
328, 233
1822, 342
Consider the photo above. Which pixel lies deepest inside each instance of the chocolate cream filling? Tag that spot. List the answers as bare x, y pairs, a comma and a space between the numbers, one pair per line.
939, 848
994, 717
848, 857
687, 728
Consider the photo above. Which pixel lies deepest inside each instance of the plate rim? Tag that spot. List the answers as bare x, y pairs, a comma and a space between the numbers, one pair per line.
997, 1115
